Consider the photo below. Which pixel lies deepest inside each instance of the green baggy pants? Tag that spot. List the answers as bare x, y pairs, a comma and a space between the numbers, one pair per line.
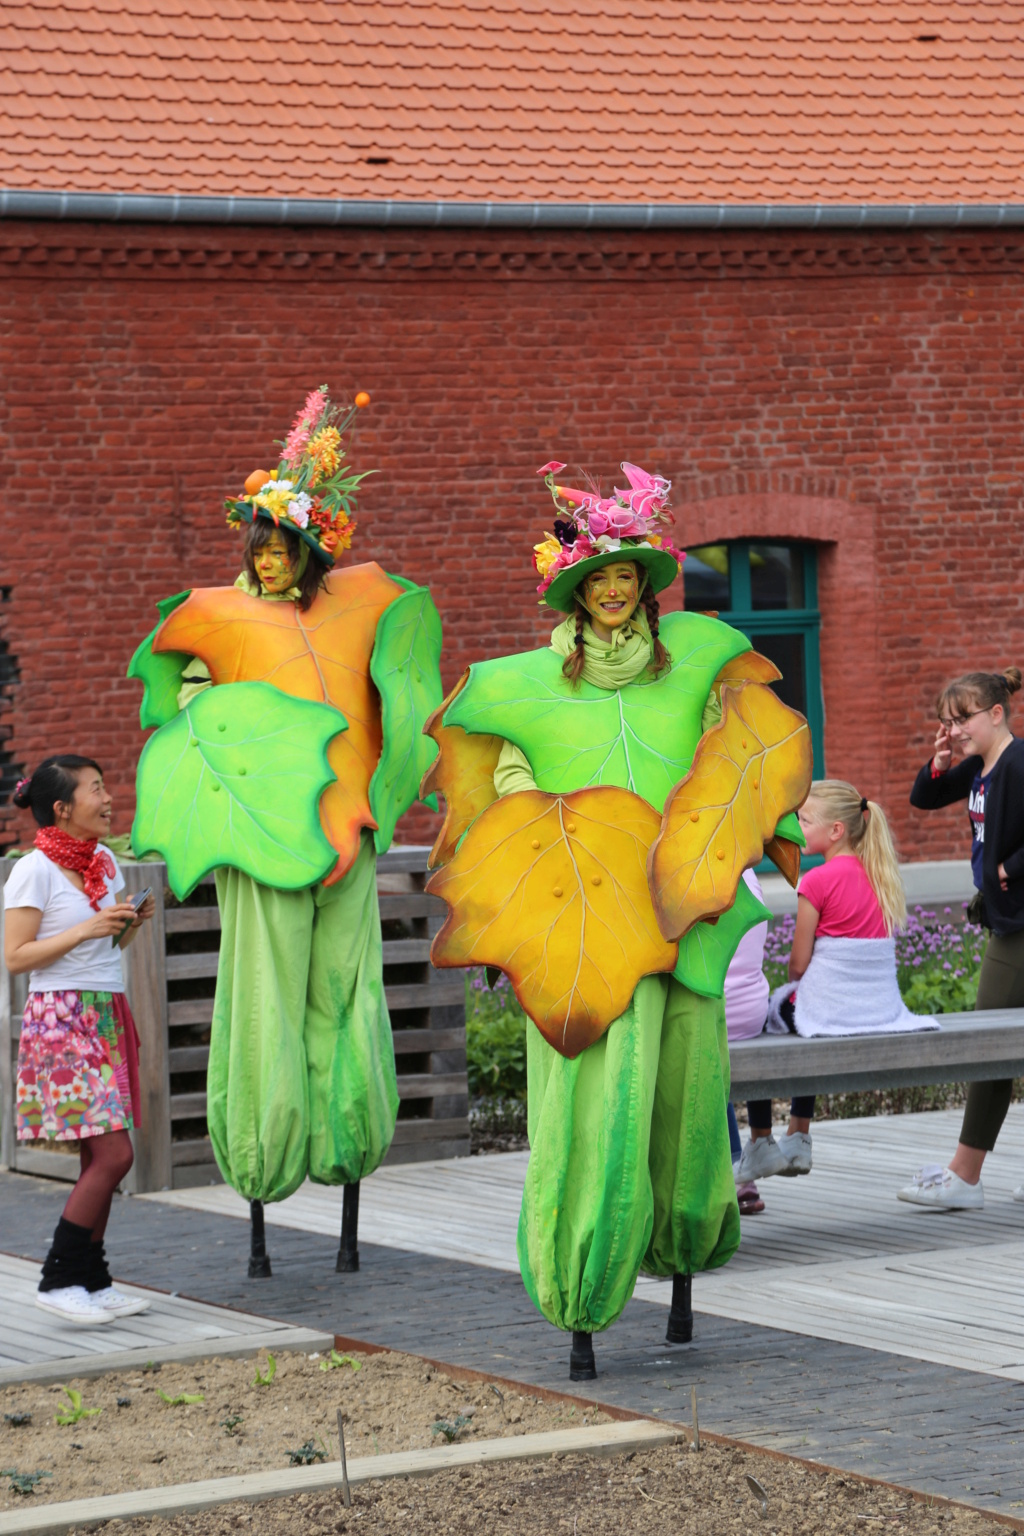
302, 1066
629, 1157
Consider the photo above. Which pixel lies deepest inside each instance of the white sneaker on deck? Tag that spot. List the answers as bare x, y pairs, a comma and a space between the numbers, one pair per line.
759, 1159
117, 1304
796, 1149
75, 1305
941, 1190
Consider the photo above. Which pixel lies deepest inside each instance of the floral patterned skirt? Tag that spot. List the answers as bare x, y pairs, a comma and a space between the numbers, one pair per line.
78, 1066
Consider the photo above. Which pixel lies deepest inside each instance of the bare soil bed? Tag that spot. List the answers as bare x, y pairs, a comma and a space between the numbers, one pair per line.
667, 1492
391, 1403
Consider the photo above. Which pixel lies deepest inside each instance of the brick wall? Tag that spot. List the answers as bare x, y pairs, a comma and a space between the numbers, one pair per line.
861, 391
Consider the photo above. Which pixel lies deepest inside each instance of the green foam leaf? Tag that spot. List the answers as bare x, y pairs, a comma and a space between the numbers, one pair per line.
404, 667
706, 951
159, 674
789, 828
235, 779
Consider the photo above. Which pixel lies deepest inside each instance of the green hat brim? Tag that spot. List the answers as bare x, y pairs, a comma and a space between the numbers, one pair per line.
661, 567
245, 515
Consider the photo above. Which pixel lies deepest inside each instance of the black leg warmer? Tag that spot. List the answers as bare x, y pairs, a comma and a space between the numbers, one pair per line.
99, 1270
69, 1261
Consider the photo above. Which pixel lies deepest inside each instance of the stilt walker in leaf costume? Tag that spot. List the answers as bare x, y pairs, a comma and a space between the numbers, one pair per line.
604, 795
286, 777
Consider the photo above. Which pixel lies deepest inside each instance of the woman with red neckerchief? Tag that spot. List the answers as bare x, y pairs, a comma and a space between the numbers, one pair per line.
78, 1073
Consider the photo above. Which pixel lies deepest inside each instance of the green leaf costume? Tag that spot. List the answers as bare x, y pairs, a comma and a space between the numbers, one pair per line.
629, 1156
283, 778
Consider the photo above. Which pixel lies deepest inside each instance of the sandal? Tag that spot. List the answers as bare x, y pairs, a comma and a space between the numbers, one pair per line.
750, 1201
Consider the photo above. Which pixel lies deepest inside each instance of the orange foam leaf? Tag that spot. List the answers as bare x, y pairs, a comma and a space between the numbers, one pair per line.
463, 772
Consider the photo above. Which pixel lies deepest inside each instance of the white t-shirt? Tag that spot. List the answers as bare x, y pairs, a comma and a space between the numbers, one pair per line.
95, 965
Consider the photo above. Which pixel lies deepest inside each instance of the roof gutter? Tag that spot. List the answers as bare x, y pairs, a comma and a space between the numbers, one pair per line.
118, 207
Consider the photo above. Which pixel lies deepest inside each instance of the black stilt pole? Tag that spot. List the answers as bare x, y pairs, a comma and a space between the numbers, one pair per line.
680, 1318
259, 1261
581, 1358
348, 1251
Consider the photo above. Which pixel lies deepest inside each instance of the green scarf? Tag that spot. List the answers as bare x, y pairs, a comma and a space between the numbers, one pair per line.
608, 666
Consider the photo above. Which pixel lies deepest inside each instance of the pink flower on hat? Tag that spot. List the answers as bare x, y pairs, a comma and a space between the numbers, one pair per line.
553, 467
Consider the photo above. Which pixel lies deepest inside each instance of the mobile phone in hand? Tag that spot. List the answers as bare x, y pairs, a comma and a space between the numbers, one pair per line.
133, 901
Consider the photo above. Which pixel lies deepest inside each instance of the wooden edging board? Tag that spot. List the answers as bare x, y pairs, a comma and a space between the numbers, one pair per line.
188, 1498
231, 1347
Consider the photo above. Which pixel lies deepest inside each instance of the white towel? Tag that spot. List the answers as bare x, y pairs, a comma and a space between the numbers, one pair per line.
849, 988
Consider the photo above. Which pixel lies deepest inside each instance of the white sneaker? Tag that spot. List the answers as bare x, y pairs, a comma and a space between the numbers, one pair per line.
796, 1149
759, 1159
74, 1304
941, 1190
1018, 1193
117, 1304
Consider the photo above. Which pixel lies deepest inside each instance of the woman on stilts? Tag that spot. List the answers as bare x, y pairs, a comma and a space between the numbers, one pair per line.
78, 1077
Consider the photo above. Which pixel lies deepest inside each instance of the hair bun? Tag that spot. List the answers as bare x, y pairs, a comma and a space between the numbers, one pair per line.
21, 796
1012, 678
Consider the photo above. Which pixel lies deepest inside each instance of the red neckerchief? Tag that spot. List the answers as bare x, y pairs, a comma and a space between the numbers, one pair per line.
80, 854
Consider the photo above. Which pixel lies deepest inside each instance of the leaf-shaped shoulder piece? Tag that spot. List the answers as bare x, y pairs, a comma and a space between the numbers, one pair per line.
640, 737
553, 890
785, 855
706, 949
236, 779
322, 655
405, 665
750, 667
160, 675
749, 771
462, 772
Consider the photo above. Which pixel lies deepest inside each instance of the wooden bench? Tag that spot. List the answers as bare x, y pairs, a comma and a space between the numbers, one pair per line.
970, 1047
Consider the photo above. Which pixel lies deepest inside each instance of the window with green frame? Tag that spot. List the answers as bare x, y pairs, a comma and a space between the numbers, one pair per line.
770, 592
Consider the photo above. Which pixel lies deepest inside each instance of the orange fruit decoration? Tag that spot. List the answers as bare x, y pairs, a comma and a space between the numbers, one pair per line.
362, 399
256, 481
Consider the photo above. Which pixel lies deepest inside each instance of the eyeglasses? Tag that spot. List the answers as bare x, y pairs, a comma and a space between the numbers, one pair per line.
960, 720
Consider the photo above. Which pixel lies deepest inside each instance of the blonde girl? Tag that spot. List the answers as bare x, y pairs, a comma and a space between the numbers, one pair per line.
844, 955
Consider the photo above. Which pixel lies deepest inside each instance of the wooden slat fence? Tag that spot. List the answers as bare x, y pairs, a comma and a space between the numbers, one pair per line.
170, 974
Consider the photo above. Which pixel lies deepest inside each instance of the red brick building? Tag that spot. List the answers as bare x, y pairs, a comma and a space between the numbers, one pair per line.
772, 252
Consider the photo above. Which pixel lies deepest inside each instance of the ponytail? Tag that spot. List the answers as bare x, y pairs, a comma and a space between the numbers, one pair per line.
868, 833
980, 690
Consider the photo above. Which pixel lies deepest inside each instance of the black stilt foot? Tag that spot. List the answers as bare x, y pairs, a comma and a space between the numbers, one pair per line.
348, 1251
259, 1259
581, 1358
680, 1318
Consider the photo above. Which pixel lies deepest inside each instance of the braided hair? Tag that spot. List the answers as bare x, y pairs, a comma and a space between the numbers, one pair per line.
572, 666
661, 660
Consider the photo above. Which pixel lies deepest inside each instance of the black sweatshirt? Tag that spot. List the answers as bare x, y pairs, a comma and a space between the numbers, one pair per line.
1004, 826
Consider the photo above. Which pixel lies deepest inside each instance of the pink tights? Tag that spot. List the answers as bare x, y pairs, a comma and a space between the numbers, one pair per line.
105, 1161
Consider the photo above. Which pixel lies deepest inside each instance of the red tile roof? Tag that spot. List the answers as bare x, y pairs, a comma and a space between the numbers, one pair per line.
621, 101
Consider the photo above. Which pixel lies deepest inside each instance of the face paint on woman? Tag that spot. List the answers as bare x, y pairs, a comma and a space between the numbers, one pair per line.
610, 595
274, 565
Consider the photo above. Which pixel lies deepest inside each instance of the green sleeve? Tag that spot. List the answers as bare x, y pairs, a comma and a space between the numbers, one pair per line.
513, 772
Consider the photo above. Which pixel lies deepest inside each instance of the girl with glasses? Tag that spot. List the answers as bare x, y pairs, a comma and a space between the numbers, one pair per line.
974, 723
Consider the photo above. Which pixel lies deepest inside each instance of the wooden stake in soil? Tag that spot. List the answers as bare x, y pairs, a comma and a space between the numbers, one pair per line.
346, 1492
696, 1426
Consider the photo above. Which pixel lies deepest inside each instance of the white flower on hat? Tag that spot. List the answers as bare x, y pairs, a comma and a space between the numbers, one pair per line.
299, 509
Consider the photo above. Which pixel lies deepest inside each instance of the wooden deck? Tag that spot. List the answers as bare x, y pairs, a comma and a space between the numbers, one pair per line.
34, 1345
834, 1256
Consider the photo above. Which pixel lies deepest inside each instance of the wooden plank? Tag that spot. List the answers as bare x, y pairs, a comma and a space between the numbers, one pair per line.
263, 1336
427, 1085
146, 990
421, 1041
414, 904
192, 920
191, 1010
425, 994
408, 1132
189, 1058
406, 951
191, 967
411, 860
185, 1154
187, 1106
187, 1498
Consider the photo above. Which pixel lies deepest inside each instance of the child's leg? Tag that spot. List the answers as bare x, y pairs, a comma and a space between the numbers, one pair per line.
759, 1116
1000, 985
801, 1113
735, 1145
105, 1161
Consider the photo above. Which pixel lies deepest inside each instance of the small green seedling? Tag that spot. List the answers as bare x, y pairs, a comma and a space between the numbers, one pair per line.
24, 1482
182, 1399
452, 1428
261, 1380
335, 1360
18, 1419
152, 1365
74, 1411
230, 1425
307, 1454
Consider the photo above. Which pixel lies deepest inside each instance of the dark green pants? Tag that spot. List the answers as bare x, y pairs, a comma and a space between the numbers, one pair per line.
1001, 985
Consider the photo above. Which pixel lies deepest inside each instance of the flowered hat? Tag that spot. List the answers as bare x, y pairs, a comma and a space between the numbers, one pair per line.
595, 530
309, 491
